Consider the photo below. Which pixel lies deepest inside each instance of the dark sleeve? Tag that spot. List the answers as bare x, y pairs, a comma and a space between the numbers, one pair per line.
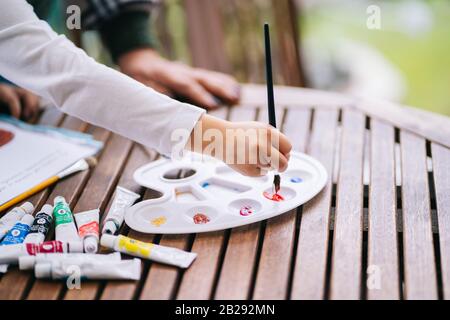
127, 31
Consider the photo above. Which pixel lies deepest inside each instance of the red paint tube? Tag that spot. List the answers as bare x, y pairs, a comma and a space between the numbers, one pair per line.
11, 253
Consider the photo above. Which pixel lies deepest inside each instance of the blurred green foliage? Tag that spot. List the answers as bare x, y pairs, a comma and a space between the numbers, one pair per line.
423, 59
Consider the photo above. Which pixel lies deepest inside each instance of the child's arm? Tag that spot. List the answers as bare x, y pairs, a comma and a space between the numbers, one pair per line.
34, 57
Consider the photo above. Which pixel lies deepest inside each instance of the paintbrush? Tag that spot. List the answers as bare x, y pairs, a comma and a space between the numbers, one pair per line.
270, 96
78, 166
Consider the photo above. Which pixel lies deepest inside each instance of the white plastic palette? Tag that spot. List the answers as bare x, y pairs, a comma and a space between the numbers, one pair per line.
216, 191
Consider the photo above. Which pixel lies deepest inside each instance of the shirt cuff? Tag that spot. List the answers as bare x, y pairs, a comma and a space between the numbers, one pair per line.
179, 130
127, 31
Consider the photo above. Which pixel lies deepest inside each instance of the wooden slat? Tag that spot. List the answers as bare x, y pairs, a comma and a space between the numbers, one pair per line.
70, 188
162, 280
414, 120
242, 246
98, 190
311, 258
383, 276
14, 283
206, 35
441, 173
272, 281
198, 281
286, 17
420, 272
347, 244
296, 124
125, 290
255, 95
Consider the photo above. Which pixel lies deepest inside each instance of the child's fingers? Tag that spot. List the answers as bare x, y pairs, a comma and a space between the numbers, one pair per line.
11, 99
284, 146
278, 161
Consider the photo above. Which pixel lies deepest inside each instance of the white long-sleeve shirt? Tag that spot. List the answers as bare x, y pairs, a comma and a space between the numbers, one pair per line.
34, 57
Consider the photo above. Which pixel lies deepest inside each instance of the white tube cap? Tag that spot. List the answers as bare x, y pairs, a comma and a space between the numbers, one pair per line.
26, 262
90, 244
75, 246
47, 209
27, 207
27, 219
43, 270
108, 240
109, 227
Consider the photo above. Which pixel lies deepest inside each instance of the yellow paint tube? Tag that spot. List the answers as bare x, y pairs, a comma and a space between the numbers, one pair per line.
173, 256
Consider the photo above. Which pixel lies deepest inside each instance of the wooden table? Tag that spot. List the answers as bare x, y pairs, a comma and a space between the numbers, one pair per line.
382, 219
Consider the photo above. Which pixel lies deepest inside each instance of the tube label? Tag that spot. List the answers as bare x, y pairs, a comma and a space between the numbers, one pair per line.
41, 223
134, 247
62, 214
45, 247
90, 228
17, 234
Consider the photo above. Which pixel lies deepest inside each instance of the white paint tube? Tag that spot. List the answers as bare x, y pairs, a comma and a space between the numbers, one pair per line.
65, 228
173, 256
88, 229
41, 225
10, 218
28, 262
12, 253
112, 270
123, 199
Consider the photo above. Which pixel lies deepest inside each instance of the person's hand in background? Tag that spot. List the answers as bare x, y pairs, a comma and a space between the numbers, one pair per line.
201, 87
18, 102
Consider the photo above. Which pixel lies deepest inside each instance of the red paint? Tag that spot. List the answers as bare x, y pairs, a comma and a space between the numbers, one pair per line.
274, 197
200, 218
246, 211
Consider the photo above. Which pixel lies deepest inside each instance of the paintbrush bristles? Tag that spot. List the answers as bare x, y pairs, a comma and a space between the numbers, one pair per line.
277, 182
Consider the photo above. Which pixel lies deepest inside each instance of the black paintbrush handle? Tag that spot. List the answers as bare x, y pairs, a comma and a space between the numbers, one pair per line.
269, 79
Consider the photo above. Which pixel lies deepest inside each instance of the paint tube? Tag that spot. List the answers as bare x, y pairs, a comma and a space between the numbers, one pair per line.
28, 262
41, 225
112, 270
88, 229
13, 216
19, 231
123, 199
16, 235
65, 228
12, 253
173, 256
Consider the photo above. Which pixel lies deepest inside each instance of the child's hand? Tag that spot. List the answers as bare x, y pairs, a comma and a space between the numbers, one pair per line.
19, 102
251, 148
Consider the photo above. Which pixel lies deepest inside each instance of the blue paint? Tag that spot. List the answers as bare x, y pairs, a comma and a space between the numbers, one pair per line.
296, 180
205, 185
16, 235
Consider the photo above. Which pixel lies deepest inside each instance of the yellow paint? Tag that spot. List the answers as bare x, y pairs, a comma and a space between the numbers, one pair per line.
135, 247
157, 222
